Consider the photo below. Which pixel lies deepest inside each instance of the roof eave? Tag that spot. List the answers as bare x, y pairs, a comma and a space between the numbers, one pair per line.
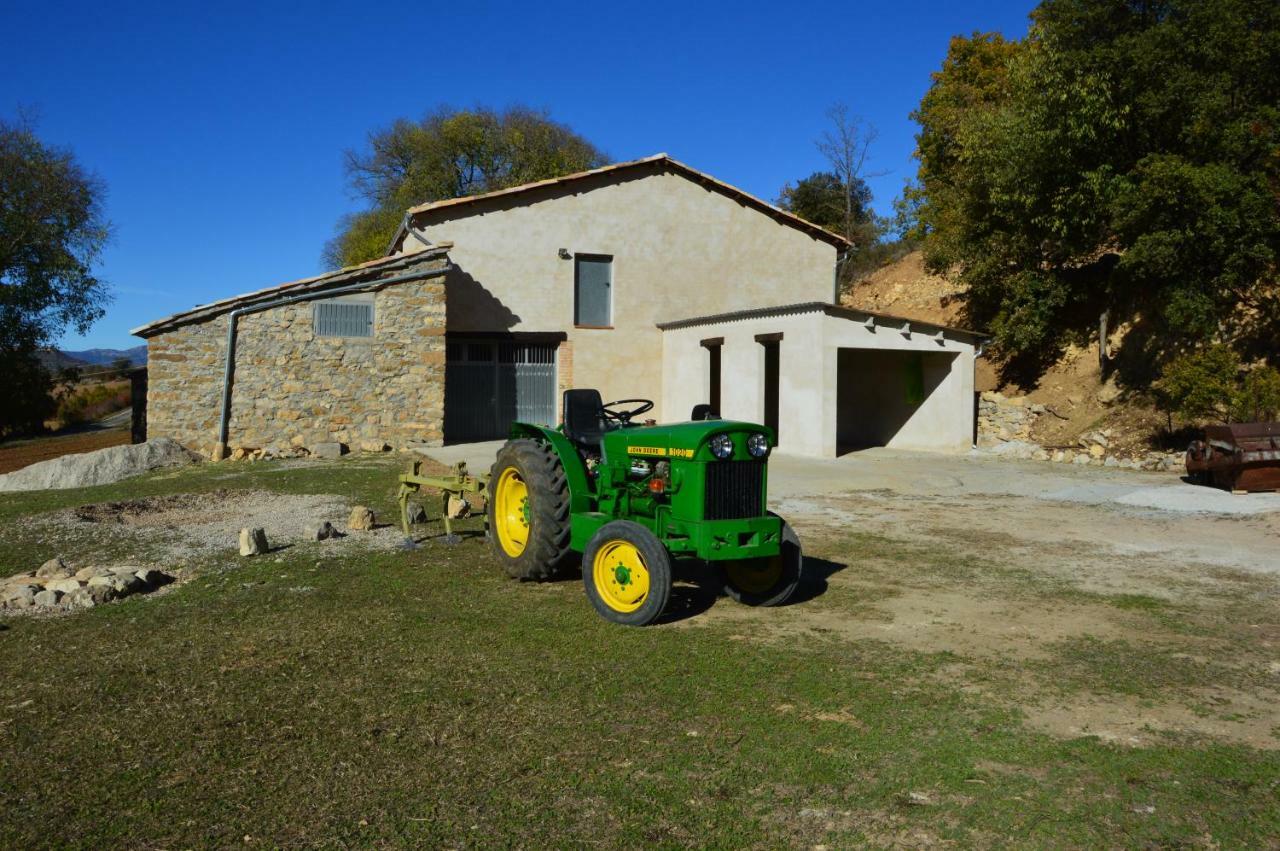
317, 284
811, 307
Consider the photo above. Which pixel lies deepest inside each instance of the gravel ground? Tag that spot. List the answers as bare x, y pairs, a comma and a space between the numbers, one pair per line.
189, 525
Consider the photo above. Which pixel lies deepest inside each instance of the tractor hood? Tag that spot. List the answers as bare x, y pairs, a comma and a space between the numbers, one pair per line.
682, 441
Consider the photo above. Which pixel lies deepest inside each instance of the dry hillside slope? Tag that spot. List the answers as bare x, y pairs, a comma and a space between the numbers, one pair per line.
1076, 398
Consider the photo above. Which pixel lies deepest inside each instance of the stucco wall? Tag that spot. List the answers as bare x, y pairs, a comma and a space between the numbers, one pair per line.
678, 250
809, 360
295, 389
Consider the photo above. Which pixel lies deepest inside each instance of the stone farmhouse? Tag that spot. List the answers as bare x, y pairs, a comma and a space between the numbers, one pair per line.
644, 279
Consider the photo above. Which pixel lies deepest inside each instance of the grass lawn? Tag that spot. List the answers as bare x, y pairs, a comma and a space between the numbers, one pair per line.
335, 695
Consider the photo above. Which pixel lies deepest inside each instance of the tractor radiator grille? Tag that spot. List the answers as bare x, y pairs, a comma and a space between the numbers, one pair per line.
735, 490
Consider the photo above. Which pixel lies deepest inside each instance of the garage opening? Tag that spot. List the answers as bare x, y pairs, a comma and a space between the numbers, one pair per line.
489, 384
882, 397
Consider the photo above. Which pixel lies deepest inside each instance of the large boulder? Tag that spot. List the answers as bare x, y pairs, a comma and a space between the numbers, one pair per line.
66, 586
100, 467
328, 450
54, 568
253, 542
21, 596
361, 519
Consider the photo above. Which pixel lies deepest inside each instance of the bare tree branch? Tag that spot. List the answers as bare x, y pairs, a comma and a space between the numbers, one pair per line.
846, 144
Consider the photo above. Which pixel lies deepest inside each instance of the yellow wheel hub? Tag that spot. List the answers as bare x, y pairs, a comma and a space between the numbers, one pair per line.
620, 576
755, 576
511, 515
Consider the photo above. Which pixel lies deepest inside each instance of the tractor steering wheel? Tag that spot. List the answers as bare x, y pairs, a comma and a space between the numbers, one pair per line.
624, 417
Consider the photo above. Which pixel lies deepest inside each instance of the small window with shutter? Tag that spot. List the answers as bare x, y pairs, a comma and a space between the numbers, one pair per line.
343, 318
593, 299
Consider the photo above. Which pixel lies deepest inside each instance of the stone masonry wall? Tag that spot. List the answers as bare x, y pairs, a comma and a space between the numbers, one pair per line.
1002, 418
293, 389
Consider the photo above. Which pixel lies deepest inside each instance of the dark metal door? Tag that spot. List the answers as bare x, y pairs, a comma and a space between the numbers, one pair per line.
490, 384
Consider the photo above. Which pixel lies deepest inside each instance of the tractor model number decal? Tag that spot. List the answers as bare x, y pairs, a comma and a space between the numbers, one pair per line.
659, 451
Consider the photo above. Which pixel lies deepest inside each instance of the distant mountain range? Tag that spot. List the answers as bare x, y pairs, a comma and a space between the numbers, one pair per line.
88, 358
137, 355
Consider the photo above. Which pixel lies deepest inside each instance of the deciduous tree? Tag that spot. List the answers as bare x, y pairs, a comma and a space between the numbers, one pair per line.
449, 154
1122, 162
52, 231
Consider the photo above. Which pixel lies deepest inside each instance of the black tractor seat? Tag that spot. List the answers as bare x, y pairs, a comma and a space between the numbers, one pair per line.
584, 421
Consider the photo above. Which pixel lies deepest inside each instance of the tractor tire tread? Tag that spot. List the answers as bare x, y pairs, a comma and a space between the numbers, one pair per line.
548, 545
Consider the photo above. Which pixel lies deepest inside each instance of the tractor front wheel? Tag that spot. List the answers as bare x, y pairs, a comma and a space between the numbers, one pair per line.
529, 509
627, 573
767, 581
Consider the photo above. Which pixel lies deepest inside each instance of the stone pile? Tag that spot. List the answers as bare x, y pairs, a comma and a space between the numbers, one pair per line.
247, 453
1092, 455
1004, 418
53, 586
1004, 430
329, 450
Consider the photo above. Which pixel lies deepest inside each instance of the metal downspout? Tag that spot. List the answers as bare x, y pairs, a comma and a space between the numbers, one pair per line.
841, 259
229, 367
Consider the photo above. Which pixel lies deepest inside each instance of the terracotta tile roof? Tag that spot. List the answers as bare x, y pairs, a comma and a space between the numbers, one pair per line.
317, 283
660, 162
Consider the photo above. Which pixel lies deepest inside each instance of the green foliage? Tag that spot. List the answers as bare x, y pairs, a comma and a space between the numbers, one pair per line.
1258, 398
820, 199
52, 231
1210, 384
824, 199
1124, 157
92, 402
26, 401
449, 154
1200, 385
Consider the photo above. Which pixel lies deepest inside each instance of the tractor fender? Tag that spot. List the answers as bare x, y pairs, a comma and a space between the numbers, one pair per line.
575, 469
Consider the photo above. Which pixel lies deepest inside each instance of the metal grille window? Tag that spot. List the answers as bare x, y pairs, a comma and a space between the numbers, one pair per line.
343, 318
490, 384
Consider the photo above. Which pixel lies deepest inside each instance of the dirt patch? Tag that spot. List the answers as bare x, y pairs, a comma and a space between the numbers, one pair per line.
1092, 621
193, 524
1125, 720
154, 511
22, 453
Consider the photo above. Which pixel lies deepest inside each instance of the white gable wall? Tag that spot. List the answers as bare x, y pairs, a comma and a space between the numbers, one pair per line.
678, 250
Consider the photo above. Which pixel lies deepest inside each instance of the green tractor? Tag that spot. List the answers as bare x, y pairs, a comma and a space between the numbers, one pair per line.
633, 499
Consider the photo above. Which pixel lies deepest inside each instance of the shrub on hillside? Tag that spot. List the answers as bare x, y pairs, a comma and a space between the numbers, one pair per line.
85, 404
1211, 384
1258, 399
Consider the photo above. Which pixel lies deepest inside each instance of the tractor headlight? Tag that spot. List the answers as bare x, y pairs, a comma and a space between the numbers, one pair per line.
721, 446
758, 445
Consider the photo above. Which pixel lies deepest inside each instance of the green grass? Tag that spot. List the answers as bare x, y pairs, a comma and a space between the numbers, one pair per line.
421, 698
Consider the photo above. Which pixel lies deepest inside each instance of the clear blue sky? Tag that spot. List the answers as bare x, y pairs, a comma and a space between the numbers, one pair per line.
219, 127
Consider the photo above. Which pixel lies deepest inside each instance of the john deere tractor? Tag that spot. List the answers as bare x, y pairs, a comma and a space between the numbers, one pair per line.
634, 498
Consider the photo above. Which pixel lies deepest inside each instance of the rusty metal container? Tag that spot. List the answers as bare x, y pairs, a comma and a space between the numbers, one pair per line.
1239, 457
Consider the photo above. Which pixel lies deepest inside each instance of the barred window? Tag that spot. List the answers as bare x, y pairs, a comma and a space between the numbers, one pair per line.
343, 318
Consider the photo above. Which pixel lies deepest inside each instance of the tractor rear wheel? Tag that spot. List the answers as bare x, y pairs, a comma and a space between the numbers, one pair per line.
767, 581
627, 573
529, 509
